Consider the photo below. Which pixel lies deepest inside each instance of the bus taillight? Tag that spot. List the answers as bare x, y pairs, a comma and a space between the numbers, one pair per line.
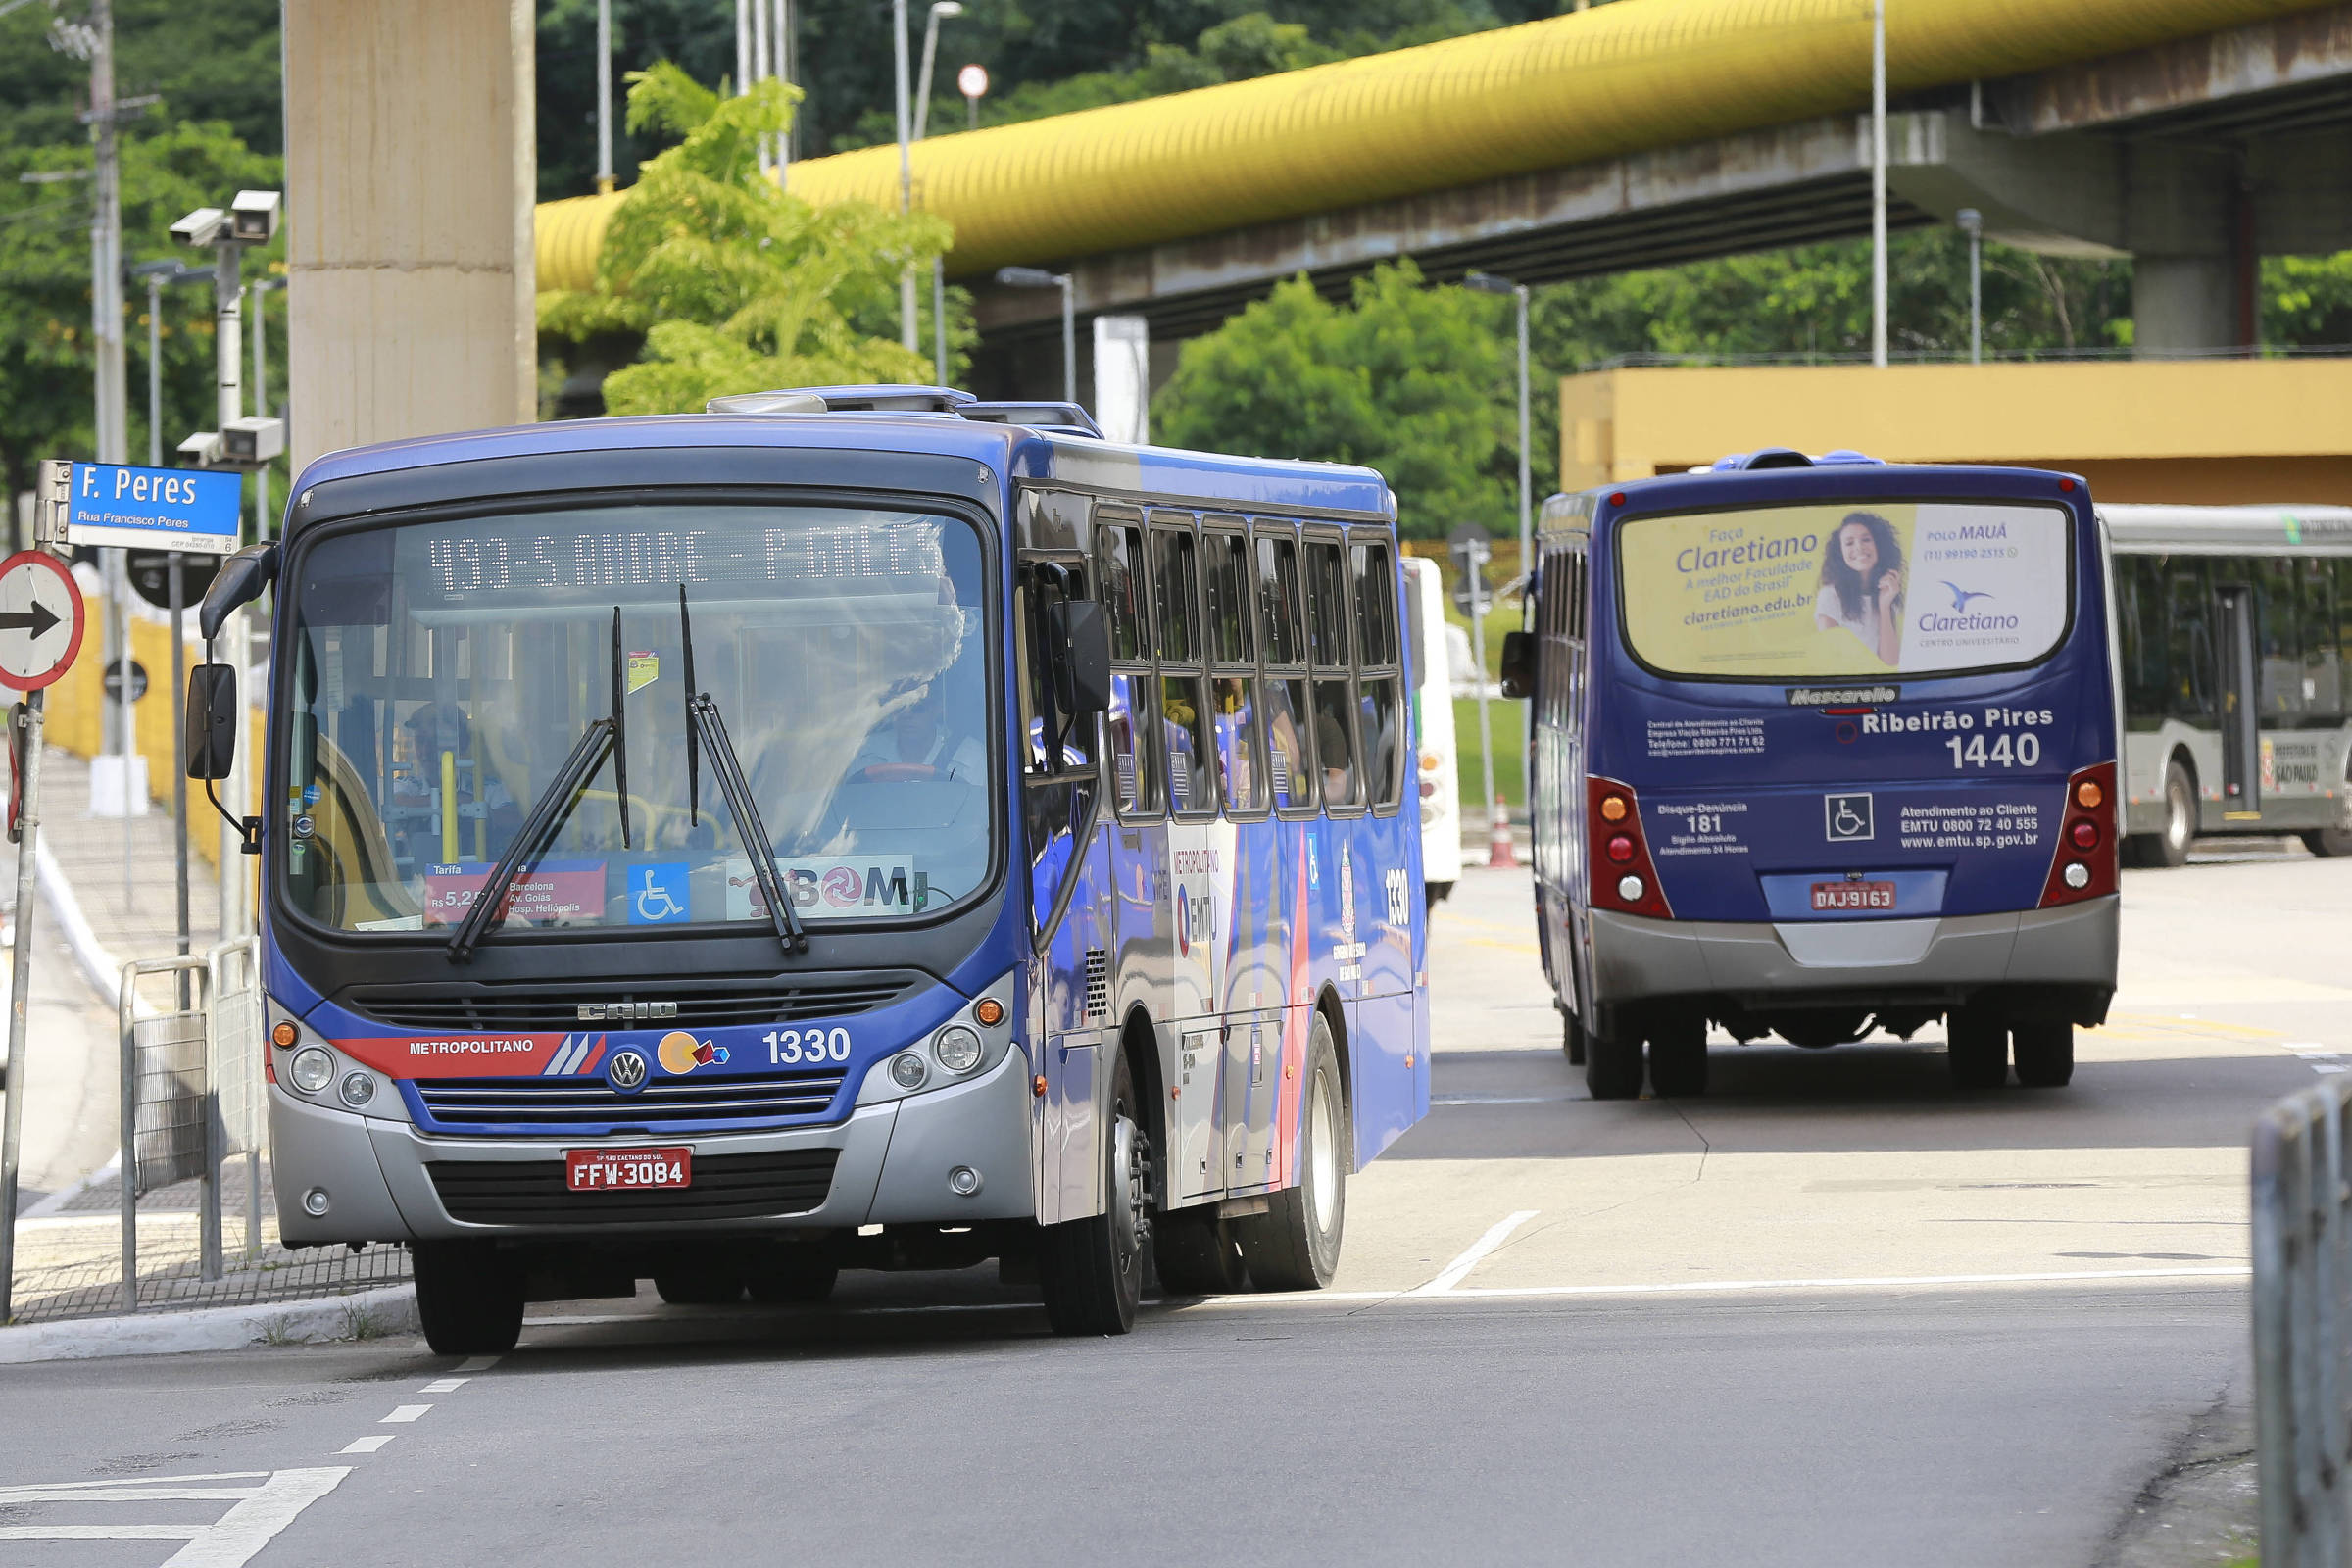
1622, 876
2085, 864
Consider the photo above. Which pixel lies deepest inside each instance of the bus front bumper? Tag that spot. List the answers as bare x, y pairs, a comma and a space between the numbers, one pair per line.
891, 1167
1764, 962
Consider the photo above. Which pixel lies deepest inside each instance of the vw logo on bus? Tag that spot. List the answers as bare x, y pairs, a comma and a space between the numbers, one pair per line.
625, 1071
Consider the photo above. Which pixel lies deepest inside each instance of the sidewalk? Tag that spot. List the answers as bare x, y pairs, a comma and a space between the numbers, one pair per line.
69, 1238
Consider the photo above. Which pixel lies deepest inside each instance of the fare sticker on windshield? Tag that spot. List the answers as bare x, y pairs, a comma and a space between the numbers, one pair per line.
849, 889
557, 892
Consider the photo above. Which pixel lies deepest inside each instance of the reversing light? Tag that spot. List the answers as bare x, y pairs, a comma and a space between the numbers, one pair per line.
2086, 837
285, 1034
2088, 795
990, 1013
1613, 808
2077, 876
1630, 888
1621, 849
311, 1069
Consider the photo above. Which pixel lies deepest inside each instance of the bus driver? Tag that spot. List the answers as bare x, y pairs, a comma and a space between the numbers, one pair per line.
1862, 584
916, 743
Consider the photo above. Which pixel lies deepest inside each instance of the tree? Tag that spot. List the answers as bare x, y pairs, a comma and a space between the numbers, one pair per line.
1403, 378
732, 284
47, 357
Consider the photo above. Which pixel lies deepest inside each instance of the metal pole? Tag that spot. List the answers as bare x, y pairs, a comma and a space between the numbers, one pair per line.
1477, 556
12, 1109
898, 49
743, 47
923, 85
938, 319
784, 71
106, 292
603, 98
1069, 337
261, 405
180, 753
761, 67
1878, 182
228, 301
1527, 516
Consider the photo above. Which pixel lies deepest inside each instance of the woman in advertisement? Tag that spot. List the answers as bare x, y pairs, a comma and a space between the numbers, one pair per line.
1862, 584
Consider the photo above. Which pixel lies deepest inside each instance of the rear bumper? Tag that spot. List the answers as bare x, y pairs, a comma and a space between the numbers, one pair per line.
891, 1169
1766, 964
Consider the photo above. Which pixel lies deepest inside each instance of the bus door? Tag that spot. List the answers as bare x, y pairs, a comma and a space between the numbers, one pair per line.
2242, 745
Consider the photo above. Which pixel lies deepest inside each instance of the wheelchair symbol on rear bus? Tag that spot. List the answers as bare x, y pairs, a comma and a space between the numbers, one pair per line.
1848, 818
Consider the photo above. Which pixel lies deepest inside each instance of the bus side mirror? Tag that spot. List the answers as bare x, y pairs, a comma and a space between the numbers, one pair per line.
1518, 664
211, 720
239, 582
1081, 652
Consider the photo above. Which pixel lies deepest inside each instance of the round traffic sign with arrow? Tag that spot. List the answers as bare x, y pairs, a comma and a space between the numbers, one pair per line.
40, 619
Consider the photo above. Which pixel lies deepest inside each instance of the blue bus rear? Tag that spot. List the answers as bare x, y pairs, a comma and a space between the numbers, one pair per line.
1823, 747
1091, 928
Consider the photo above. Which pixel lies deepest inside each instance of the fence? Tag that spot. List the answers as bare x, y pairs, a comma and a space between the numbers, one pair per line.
2302, 1236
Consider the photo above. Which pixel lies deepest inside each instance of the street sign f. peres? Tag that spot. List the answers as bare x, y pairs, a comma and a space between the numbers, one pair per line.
190, 510
40, 619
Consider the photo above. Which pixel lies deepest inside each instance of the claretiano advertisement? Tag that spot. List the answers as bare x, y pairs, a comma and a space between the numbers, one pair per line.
1805, 593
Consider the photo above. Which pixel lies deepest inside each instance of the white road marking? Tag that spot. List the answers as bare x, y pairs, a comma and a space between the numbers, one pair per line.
444, 1386
259, 1512
478, 1363
370, 1444
407, 1412
1502, 1100
1717, 1286
1497, 1233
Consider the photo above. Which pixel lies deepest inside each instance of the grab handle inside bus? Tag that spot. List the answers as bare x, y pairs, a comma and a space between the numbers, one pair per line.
1081, 657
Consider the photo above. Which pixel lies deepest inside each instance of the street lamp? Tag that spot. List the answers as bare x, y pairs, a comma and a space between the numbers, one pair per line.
1039, 277
1488, 283
940, 9
1972, 223
898, 50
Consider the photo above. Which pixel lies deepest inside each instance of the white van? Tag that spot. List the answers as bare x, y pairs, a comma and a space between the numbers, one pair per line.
1432, 729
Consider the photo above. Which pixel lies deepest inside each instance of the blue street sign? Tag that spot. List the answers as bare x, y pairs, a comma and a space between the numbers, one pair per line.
197, 510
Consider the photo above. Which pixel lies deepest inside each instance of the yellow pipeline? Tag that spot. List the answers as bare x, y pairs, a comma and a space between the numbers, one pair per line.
1590, 84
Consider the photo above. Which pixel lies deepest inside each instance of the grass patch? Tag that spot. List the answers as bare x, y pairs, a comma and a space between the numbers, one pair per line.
363, 1322
279, 1331
1509, 719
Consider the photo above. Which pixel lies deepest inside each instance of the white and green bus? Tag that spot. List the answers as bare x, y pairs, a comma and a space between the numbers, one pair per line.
2234, 624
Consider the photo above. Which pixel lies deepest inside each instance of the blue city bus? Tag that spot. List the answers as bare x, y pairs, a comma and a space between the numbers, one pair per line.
1820, 747
1089, 926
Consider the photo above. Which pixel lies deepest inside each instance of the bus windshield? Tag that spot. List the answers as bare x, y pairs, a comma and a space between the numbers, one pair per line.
1827, 592
442, 671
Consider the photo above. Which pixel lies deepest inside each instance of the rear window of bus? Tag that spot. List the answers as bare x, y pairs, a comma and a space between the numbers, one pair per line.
1816, 591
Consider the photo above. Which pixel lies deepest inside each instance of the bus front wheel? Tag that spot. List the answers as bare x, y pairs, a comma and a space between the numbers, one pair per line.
1295, 1244
1196, 1253
2329, 841
468, 1298
2170, 847
2044, 1049
1092, 1270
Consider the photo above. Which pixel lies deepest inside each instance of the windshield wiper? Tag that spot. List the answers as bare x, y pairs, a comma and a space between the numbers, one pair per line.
705, 728
604, 737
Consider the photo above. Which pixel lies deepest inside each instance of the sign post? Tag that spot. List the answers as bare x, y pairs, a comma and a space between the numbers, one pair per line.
40, 633
1472, 548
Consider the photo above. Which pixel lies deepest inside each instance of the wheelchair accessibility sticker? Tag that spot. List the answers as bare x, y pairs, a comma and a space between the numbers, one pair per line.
1848, 817
658, 894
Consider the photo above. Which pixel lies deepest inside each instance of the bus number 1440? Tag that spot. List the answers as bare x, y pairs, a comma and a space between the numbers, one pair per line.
2023, 751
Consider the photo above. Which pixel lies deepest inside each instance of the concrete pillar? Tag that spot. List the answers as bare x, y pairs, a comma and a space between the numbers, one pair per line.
2184, 304
411, 171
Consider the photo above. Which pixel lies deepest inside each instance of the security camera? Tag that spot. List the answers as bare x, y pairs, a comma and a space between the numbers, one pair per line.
252, 441
253, 216
203, 449
201, 227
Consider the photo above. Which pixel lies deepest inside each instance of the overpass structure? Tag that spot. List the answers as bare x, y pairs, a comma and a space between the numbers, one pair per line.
2194, 135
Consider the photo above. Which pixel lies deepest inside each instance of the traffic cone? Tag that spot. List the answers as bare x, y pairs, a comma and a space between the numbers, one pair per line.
1500, 856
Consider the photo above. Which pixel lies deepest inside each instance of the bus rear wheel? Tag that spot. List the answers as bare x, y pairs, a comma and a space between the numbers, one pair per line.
1295, 1244
468, 1298
2329, 841
1678, 1057
2044, 1049
1092, 1270
1979, 1047
2169, 846
1612, 1066
1572, 1037
1196, 1253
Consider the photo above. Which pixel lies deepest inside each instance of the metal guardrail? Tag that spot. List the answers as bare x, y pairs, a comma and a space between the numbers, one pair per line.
191, 1092
2302, 1238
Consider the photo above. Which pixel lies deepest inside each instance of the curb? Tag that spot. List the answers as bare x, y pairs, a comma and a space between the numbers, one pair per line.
391, 1307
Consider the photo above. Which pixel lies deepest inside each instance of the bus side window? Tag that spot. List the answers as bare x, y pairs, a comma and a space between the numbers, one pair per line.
1290, 767
2189, 638
2280, 644
2137, 600
1327, 617
1381, 705
1121, 570
1183, 706
1234, 682
2323, 647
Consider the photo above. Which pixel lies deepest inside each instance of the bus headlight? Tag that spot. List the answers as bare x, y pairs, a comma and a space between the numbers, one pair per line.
358, 1088
312, 1067
908, 1071
957, 1048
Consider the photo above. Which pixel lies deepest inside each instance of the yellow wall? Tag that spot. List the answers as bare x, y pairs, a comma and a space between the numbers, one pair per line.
72, 721
2187, 431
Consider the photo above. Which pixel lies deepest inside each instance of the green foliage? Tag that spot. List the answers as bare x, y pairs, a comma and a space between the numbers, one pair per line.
47, 354
2307, 300
216, 61
1401, 378
733, 284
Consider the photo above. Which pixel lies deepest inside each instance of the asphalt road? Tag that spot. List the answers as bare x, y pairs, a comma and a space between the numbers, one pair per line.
1834, 1312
